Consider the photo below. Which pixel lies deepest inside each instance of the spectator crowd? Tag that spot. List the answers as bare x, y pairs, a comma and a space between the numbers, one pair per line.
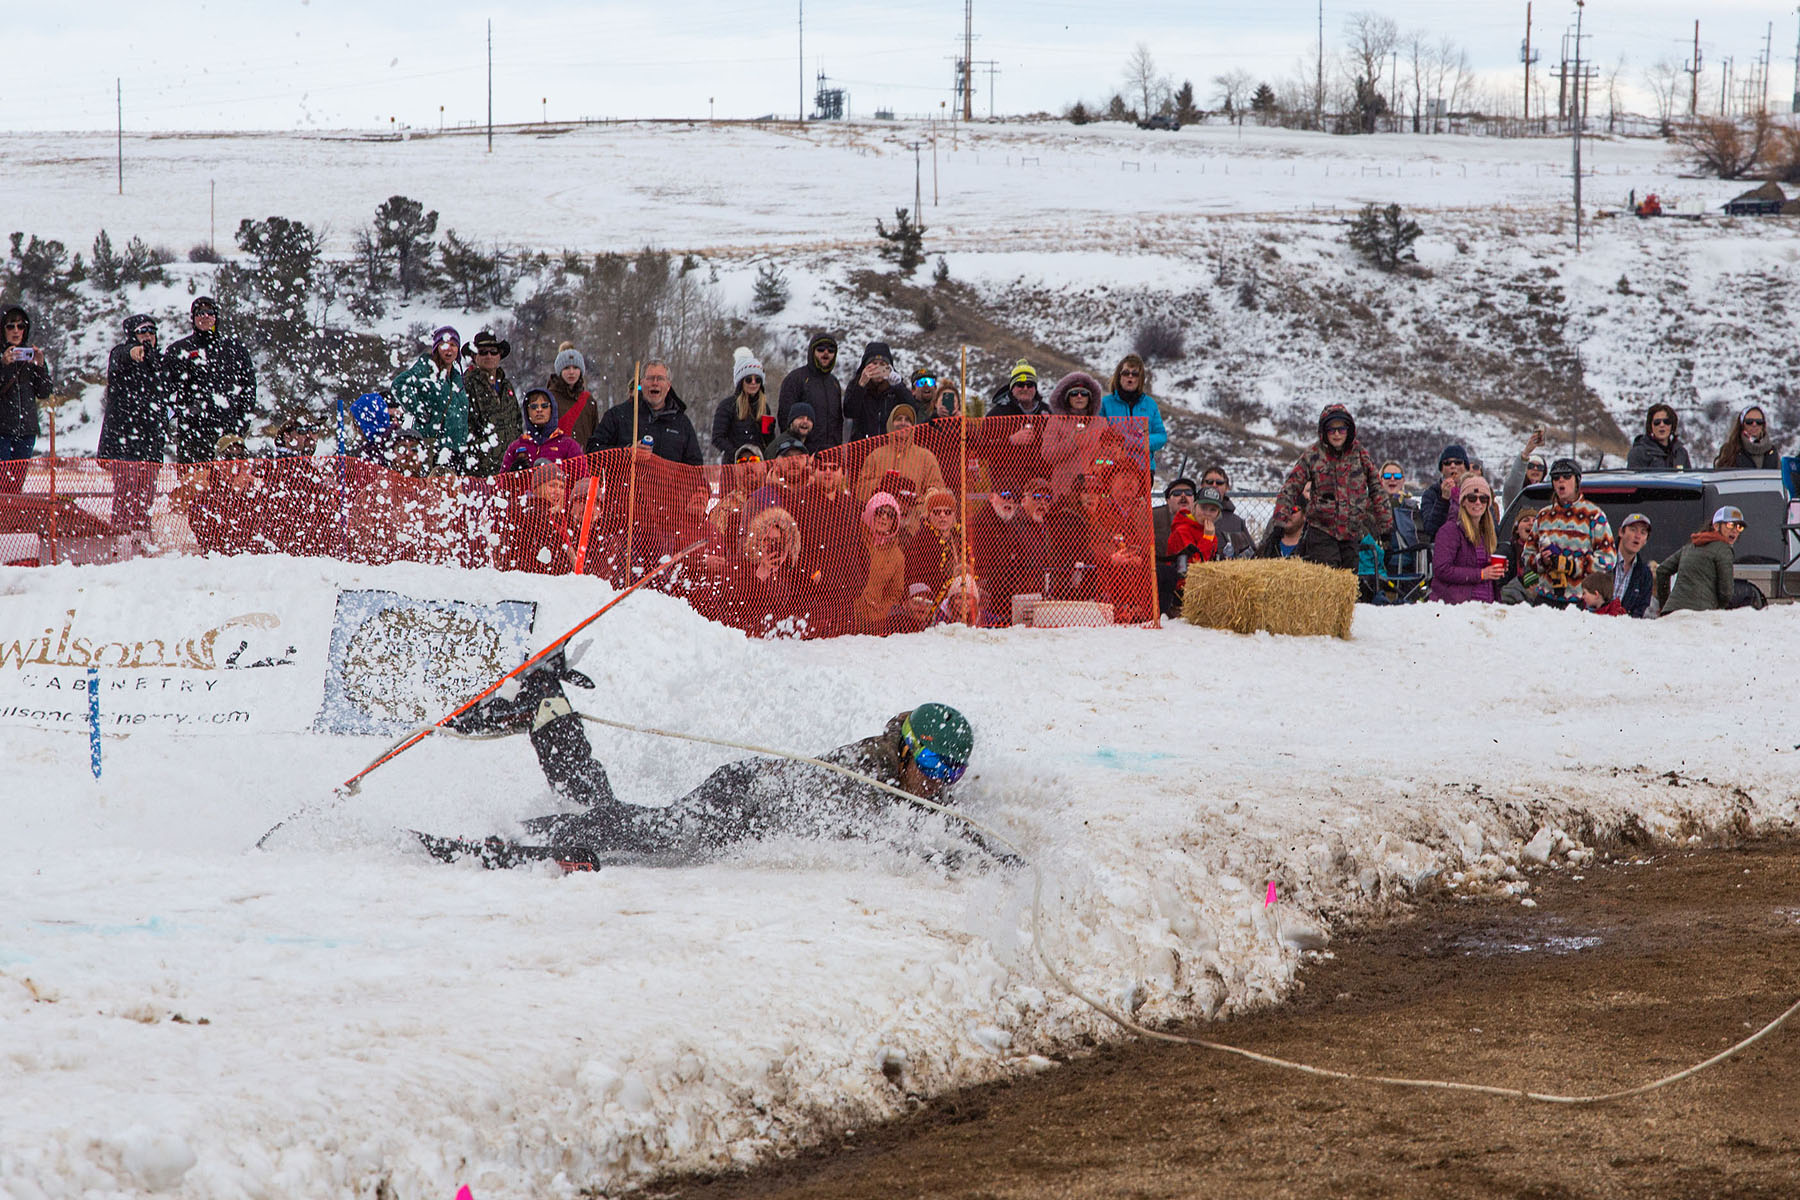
861, 500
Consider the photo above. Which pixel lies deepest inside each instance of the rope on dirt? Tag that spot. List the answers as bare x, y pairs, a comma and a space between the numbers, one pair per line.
1037, 942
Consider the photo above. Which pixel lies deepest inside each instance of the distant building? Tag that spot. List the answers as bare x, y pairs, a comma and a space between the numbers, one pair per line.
1766, 201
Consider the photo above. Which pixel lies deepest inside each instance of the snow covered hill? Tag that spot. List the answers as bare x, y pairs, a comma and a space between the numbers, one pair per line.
1060, 242
182, 1015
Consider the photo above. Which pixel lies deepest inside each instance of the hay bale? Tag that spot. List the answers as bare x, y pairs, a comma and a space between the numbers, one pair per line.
1281, 595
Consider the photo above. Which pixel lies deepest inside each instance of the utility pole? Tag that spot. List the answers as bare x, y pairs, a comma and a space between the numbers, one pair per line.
1796, 102
802, 33
212, 215
1693, 69
969, 60
1319, 83
1768, 47
1393, 89
993, 69
1580, 113
918, 193
490, 148
119, 93
1527, 57
1725, 89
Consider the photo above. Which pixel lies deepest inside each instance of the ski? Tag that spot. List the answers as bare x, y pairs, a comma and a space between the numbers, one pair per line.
500, 854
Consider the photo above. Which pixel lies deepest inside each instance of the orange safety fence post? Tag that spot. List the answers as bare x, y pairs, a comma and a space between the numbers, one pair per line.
1150, 559
587, 523
962, 426
631, 485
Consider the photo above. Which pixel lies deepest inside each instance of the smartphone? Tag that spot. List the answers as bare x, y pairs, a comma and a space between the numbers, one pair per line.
25, 354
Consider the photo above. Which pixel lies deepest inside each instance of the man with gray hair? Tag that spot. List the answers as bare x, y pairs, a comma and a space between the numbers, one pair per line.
660, 425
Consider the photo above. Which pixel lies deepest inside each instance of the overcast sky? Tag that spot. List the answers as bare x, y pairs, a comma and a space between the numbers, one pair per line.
286, 64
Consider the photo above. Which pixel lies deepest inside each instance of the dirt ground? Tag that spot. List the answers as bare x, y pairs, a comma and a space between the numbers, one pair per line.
1633, 972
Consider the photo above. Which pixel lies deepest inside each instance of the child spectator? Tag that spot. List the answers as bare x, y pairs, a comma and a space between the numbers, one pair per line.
1597, 595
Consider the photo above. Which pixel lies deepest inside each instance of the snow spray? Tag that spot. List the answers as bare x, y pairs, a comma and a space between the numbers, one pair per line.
93, 690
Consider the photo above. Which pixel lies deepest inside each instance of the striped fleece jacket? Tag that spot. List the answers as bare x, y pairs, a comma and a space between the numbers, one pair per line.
1564, 544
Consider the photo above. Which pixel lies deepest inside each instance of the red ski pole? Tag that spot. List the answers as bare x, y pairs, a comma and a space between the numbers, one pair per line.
353, 784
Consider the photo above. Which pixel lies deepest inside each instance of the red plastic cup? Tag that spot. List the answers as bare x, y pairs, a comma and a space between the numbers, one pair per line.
1497, 560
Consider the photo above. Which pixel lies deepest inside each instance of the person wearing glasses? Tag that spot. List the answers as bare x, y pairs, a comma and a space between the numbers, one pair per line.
24, 380
1703, 570
212, 385
494, 416
134, 422
1525, 468
924, 384
813, 383
923, 752
1659, 447
874, 393
1563, 542
1463, 564
747, 416
1438, 502
542, 440
1747, 445
1072, 436
1130, 397
1235, 538
1183, 536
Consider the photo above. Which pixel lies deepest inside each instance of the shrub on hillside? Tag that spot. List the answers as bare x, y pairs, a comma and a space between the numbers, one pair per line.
1383, 236
1160, 338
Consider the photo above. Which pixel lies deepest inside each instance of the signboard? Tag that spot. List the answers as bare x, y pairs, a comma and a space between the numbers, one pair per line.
396, 662
213, 662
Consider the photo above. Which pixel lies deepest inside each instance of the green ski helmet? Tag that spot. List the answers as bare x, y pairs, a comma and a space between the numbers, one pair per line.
940, 740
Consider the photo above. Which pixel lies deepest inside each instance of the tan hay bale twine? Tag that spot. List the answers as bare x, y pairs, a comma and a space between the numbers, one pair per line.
1281, 595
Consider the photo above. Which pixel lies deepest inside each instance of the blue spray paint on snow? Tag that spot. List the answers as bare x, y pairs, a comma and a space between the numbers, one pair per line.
93, 686
1128, 760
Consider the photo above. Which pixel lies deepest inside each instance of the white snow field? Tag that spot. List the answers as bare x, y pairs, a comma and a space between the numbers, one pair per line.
181, 1015
741, 188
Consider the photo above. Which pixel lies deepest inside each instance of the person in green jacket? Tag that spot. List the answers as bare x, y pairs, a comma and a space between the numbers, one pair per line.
1703, 568
432, 401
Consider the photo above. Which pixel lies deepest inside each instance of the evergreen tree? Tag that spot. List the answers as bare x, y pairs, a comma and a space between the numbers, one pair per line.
772, 292
1116, 109
287, 262
1079, 114
1383, 236
1262, 103
104, 270
469, 276
905, 246
1185, 112
403, 230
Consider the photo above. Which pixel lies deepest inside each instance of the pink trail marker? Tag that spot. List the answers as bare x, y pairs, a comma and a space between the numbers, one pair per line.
1267, 900
463, 1193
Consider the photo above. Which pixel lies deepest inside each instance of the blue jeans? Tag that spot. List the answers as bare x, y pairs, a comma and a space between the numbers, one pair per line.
13, 454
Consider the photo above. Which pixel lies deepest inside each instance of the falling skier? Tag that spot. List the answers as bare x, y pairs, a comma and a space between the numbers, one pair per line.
921, 752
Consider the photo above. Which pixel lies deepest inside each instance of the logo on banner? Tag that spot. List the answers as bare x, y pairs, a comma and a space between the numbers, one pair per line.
397, 662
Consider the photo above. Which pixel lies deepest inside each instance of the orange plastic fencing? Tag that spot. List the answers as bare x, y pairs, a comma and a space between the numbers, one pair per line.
1000, 521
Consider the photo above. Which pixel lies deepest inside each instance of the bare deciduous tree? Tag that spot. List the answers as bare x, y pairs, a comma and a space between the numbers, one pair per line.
1723, 146
1370, 40
1662, 78
1141, 77
1233, 89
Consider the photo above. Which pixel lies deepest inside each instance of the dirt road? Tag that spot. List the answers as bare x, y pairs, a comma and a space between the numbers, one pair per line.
1631, 973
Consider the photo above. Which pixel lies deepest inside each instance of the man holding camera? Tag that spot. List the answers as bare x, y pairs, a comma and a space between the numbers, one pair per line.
24, 380
212, 385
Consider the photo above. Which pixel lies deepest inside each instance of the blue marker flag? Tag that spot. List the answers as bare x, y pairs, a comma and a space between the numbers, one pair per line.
93, 688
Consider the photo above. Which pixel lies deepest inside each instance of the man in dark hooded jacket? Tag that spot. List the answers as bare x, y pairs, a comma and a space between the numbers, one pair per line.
922, 752
814, 383
24, 380
1346, 490
212, 385
134, 421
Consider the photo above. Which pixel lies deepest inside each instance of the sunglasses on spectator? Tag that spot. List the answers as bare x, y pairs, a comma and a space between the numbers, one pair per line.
1336, 427
1103, 462
1133, 372
493, 352
1005, 495
1562, 475
1477, 498
941, 510
1748, 421
1042, 496
1027, 384
1392, 475
1733, 524
1655, 421
15, 324
1180, 493
1080, 391
925, 381
748, 458
1214, 483
1453, 462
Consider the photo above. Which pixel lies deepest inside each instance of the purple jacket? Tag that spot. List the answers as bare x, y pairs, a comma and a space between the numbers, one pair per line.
527, 451
1456, 565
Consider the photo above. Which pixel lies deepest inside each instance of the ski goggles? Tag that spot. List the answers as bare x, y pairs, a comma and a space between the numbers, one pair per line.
931, 764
